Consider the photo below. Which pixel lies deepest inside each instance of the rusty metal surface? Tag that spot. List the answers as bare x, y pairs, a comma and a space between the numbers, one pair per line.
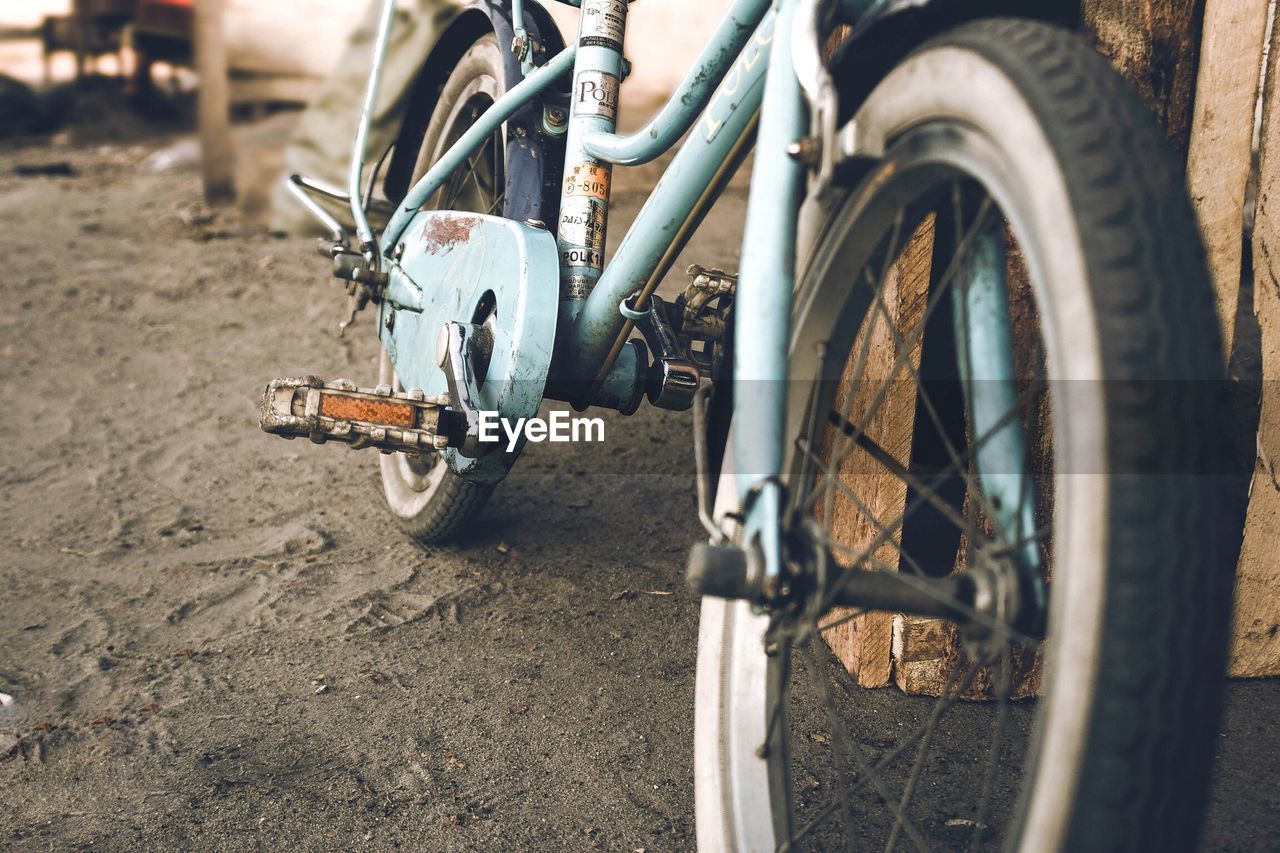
442, 234
370, 411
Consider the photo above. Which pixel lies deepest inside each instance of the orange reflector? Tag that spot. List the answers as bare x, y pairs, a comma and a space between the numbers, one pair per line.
368, 411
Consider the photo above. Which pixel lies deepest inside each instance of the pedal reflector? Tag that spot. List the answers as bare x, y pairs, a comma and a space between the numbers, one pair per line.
369, 411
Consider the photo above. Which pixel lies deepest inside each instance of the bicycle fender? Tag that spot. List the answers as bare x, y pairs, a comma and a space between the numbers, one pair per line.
534, 159
885, 31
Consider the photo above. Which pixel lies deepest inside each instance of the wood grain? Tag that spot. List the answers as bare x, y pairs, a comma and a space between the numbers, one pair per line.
1256, 641
925, 651
863, 644
1155, 44
1220, 156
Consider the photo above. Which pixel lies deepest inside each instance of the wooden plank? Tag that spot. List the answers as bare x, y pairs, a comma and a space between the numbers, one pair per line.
214, 104
1256, 642
926, 651
83, 25
863, 644
921, 649
1156, 45
1220, 156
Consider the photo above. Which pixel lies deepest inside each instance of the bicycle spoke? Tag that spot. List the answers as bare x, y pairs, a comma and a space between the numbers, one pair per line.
922, 585
927, 401
854, 750
997, 740
860, 365
886, 535
775, 713
922, 754
835, 432
920, 498
454, 187
811, 433
946, 703
475, 179
893, 466
1038, 536
933, 301
866, 511
915, 503
461, 177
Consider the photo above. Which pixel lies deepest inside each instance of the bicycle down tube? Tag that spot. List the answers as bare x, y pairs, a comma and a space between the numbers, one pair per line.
592, 329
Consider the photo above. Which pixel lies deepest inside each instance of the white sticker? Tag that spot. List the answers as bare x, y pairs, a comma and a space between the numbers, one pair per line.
582, 222
595, 93
603, 19
581, 256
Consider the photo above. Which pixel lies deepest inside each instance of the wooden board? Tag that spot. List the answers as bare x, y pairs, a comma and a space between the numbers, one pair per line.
217, 157
863, 644
1204, 91
1219, 158
1256, 643
1156, 45
925, 652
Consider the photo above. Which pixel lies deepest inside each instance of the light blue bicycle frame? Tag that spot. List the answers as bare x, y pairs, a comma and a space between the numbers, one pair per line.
753, 38
744, 77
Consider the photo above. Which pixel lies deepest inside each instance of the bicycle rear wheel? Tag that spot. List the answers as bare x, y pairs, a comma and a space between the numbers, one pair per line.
1011, 137
430, 501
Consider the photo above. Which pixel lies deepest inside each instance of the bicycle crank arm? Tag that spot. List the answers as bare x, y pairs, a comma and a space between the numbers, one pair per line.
339, 411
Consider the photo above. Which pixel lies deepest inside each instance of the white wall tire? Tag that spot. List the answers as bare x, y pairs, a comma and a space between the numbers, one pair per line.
1119, 279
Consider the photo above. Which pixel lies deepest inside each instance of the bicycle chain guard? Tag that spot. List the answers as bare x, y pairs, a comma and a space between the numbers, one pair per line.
496, 278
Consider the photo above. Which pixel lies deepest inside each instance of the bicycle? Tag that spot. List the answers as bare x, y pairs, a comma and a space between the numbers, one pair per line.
982, 352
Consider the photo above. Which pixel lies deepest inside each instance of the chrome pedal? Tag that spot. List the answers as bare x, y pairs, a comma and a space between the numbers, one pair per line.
309, 407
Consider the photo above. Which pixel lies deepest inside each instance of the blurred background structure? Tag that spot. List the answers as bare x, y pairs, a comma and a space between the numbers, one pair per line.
48, 41
281, 55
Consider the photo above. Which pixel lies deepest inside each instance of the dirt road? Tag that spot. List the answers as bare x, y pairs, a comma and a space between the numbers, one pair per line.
217, 640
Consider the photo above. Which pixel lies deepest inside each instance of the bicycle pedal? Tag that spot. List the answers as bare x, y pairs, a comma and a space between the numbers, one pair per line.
309, 407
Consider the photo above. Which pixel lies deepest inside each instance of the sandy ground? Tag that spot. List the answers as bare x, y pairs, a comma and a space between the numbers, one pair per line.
217, 640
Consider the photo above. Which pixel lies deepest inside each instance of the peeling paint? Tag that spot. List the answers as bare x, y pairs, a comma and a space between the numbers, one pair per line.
443, 233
